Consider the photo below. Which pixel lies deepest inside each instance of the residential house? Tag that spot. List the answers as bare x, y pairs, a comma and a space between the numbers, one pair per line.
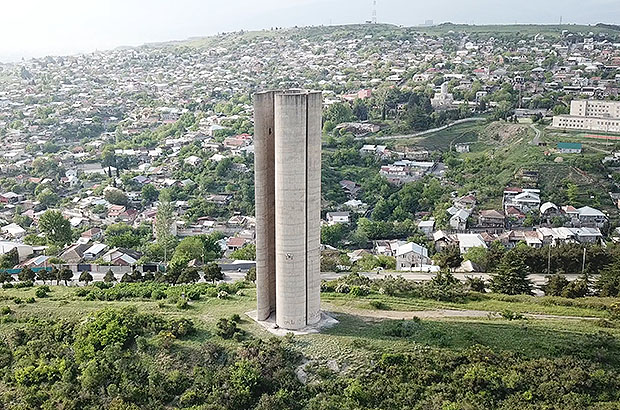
234, 243
13, 230
525, 200
593, 218
350, 187
466, 241
334, 218
121, 257
491, 219
410, 256
427, 227
95, 251
75, 253
458, 220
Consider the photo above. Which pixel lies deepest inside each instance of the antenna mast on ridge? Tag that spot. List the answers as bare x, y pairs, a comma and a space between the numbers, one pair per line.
374, 12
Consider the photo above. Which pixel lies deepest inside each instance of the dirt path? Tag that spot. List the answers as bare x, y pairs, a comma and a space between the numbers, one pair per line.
449, 313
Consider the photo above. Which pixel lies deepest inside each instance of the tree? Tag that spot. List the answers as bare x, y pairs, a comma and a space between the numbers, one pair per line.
608, 284
121, 235
189, 275
48, 198
54, 275
336, 114
86, 277
116, 196
127, 278
251, 275
43, 275
555, 285
55, 227
449, 258
6, 277
511, 277
9, 259
213, 273
149, 193
360, 110
109, 277
26, 275
66, 275
247, 253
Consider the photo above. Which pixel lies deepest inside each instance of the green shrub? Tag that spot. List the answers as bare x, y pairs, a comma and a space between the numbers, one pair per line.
30, 300
227, 329
5, 310
182, 303
40, 292
22, 285
18, 301
379, 305
510, 315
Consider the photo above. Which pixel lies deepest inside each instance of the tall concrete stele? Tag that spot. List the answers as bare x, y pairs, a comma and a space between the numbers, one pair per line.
287, 156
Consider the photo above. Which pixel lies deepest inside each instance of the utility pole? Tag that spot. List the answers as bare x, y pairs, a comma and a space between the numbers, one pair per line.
549, 261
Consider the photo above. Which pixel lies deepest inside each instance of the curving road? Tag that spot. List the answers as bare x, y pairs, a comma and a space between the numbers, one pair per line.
422, 133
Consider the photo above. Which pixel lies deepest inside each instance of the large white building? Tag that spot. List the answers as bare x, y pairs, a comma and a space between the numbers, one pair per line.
591, 115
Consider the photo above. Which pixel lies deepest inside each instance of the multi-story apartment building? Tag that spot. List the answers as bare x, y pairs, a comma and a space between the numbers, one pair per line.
591, 115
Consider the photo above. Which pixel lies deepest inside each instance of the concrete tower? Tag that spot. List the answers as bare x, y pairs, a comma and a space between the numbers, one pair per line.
287, 152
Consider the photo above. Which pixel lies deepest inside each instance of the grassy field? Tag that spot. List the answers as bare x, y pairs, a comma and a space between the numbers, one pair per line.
587, 307
360, 336
445, 139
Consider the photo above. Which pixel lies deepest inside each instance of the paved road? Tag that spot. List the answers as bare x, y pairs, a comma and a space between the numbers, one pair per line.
422, 133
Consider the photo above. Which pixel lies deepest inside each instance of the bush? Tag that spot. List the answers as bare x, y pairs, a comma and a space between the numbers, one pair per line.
5, 310
18, 301
30, 300
40, 292
403, 328
227, 329
22, 285
8, 286
343, 288
555, 285
444, 287
377, 304
476, 285
510, 315
360, 290
182, 303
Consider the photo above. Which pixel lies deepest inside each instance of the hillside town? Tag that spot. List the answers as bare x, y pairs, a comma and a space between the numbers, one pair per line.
134, 145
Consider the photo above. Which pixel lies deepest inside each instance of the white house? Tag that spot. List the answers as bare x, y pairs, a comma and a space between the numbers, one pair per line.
410, 256
470, 240
334, 218
14, 230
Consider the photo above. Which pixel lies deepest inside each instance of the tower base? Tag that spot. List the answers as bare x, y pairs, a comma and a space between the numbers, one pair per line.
270, 325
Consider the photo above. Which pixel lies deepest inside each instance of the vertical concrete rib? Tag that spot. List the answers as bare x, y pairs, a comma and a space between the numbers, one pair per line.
290, 178
313, 203
264, 188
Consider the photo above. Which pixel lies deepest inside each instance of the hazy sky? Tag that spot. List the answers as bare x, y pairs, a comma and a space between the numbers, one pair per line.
40, 27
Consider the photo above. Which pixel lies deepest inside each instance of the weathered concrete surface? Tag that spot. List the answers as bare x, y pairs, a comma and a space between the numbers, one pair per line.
288, 244
325, 321
264, 189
